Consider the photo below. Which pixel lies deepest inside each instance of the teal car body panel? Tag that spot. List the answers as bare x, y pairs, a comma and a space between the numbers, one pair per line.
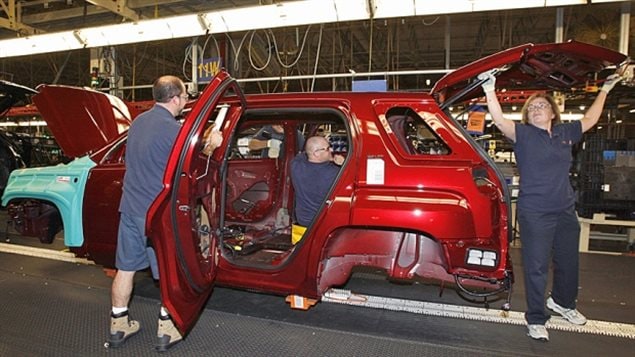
63, 185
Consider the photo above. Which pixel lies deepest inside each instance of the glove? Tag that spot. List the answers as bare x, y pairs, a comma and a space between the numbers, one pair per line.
490, 84
610, 82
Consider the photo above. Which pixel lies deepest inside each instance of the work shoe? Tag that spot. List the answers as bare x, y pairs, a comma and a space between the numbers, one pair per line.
538, 332
572, 315
121, 329
168, 334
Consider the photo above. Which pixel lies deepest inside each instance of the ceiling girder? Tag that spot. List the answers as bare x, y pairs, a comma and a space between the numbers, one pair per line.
77, 12
119, 7
12, 21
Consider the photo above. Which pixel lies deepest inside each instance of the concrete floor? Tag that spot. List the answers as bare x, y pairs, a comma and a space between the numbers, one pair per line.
61, 309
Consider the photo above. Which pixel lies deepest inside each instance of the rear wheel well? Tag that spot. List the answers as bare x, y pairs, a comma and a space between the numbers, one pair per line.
34, 218
402, 254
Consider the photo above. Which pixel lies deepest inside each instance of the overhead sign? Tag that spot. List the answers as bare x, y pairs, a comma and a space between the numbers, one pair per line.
208, 68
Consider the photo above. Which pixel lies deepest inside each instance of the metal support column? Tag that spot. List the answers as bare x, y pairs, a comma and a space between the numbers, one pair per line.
194, 87
559, 25
447, 41
625, 19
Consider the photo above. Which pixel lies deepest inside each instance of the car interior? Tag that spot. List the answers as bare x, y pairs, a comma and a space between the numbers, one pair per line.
258, 193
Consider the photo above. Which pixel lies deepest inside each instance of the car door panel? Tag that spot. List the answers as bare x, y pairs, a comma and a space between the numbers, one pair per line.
183, 222
251, 189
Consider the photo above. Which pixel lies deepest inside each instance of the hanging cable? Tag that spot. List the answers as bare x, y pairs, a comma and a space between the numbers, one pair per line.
317, 56
186, 60
249, 49
202, 52
275, 44
423, 21
236, 51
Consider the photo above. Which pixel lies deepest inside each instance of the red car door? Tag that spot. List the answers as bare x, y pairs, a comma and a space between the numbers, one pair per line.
183, 221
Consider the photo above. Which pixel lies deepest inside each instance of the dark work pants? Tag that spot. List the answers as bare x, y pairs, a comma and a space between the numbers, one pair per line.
545, 236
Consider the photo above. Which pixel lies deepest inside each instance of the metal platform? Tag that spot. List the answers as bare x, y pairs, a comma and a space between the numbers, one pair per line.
60, 308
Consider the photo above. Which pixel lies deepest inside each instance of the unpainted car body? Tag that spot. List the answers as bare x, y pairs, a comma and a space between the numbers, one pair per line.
416, 195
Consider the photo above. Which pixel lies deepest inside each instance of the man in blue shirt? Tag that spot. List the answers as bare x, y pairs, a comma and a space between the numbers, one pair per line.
150, 140
313, 174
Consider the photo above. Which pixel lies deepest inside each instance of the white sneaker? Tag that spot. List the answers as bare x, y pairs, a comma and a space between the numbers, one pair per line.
538, 332
572, 315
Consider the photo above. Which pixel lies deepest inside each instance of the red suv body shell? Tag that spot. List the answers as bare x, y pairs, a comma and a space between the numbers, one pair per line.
416, 196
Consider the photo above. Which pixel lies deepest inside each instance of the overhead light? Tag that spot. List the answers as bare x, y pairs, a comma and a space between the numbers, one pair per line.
23, 123
292, 13
426, 7
142, 31
54, 42
283, 14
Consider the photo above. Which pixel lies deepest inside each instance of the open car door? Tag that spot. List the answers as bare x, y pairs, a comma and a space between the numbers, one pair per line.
563, 66
183, 222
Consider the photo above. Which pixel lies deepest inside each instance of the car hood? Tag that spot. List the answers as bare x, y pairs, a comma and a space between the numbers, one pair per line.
554, 66
81, 119
12, 94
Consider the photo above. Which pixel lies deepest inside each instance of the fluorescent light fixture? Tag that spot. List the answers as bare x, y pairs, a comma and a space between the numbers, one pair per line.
291, 13
426, 7
23, 123
142, 31
285, 14
601, 1
54, 42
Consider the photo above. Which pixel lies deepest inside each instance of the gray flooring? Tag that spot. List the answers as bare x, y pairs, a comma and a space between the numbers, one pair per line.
51, 308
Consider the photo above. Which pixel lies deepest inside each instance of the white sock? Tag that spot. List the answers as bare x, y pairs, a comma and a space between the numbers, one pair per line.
164, 312
118, 310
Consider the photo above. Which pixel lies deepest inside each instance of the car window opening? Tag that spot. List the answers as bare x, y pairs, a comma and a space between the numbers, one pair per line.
413, 134
259, 198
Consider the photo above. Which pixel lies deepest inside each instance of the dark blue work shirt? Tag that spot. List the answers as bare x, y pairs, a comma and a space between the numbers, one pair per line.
543, 164
150, 140
311, 183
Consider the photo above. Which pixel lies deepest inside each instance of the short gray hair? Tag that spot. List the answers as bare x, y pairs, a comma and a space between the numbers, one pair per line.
167, 87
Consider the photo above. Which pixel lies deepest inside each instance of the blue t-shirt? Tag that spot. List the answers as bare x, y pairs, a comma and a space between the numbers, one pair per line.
311, 183
150, 140
543, 164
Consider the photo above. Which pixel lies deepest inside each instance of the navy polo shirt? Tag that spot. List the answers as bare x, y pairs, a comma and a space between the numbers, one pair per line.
150, 140
543, 164
311, 182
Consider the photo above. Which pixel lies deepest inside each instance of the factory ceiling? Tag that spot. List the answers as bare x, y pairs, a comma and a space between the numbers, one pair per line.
429, 44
